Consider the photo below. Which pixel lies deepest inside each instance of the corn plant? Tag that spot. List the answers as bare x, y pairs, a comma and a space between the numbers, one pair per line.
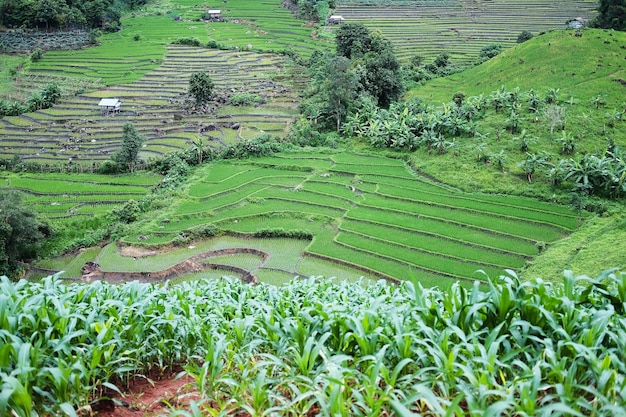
315, 346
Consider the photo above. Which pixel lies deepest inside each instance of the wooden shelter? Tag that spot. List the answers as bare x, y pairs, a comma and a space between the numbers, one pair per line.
335, 19
110, 105
576, 23
215, 15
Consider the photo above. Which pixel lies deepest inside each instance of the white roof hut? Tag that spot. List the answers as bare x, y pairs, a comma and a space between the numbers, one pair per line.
110, 105
336, 19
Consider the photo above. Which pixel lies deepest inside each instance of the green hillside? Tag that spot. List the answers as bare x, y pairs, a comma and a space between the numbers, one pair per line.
589, 76
581, 67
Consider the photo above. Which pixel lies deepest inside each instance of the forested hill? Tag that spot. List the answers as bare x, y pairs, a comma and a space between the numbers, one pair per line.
64, 14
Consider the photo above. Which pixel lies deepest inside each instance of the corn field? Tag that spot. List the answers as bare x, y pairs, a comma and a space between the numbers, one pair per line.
322, 347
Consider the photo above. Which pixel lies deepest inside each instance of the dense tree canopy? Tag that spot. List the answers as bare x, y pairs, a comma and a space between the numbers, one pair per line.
311, 9
63, 14
383, 79
611, 14
353, 40
20, 232
364, 69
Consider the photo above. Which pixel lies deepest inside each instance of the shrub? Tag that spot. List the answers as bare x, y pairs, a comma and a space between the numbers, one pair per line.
112, 27
36, 55
245, 99
108, 167
203, 231
128, 213
188, 41
304, 133
261, 145
489, 51
416, 61
524, 36
458, 98
280, 232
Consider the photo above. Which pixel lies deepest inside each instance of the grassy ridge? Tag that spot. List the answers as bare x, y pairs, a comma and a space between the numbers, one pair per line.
547, 61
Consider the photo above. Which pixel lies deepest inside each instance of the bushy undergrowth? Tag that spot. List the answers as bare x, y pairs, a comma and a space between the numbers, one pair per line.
510, 348
280, 232
43, 99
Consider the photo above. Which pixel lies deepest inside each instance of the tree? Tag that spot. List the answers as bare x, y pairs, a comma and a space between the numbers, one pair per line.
611, 15
489, 51
21, 234
201, 87
341, 86
128, 155
383, 79
524, 36
533, 163
353, 40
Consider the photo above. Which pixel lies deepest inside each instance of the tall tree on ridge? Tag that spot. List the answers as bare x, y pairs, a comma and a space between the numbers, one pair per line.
128, 155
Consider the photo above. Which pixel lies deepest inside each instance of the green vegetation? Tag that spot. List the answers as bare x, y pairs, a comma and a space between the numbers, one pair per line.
373, 205
61, 14
611, 15
272, 172
21, 234
201, 87
332, 348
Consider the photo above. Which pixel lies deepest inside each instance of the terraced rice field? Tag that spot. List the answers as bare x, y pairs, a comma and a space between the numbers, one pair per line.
460, 27
67, 196
368, 216
75, 130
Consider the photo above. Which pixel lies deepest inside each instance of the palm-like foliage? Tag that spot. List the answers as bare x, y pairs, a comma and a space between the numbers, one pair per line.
567, 143
534, 162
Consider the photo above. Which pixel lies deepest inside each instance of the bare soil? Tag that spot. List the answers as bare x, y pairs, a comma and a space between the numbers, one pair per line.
145, 397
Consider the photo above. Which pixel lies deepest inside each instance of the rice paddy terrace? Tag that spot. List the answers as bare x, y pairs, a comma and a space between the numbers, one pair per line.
64, 197
460, 27
75, 129
355, 215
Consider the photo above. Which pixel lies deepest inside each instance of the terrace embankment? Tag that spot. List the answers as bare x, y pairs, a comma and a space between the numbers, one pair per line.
75, 131
194, 263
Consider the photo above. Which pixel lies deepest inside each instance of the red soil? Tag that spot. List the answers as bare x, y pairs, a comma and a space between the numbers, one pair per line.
146, 398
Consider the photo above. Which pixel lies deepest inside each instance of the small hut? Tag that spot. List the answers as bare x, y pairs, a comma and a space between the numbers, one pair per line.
110, 106
335, 20
215, 15
576, 23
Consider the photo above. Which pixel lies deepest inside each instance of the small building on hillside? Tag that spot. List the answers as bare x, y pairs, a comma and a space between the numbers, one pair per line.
215, 15
576, 23
110, 106
335, 20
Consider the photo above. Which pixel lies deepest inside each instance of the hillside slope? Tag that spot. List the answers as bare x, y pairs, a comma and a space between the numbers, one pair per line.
588, 73
580, 66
